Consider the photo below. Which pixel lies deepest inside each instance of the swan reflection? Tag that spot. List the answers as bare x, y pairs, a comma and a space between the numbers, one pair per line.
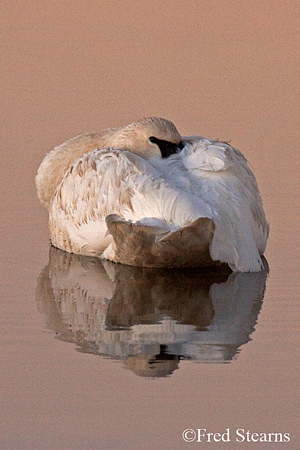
149, 318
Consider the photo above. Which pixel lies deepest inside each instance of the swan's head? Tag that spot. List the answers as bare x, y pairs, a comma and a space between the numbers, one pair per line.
150, 137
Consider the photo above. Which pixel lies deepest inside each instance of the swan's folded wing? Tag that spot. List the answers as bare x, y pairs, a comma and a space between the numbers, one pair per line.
97, 184
111, 181
241, 230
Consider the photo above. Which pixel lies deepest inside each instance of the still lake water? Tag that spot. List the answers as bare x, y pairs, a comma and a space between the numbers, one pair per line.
99, 356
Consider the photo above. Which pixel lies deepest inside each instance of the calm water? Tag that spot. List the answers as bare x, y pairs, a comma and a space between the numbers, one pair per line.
99, 356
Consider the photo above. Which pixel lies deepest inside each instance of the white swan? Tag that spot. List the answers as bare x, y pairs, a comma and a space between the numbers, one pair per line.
131, 196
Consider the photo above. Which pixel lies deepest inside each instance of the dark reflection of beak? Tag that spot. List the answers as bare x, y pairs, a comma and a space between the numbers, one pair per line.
162, 364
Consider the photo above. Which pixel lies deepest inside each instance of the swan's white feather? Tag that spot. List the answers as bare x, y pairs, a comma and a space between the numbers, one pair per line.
207, 155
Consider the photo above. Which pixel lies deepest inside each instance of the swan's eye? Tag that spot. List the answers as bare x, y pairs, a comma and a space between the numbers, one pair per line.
153, 139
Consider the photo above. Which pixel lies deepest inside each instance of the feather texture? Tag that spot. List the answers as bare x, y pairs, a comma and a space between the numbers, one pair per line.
198, 207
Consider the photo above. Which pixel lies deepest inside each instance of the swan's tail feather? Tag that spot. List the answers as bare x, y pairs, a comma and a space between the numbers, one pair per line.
155, 243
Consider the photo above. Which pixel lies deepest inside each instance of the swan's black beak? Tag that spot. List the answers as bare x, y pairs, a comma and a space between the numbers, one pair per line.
167, 148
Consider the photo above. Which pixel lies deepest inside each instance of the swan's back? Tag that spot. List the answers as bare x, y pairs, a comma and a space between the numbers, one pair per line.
60, 159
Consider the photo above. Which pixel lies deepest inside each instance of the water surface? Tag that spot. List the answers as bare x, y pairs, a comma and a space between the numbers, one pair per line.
100, 356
